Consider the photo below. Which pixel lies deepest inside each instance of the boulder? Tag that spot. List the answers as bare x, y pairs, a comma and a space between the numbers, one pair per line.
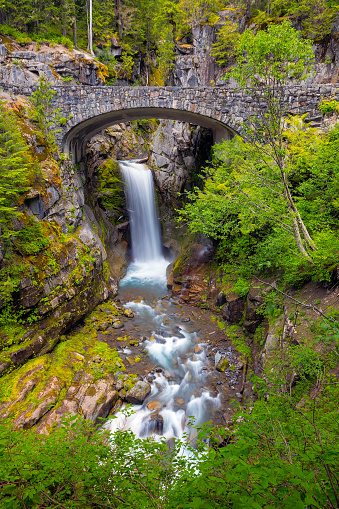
137, 394
156, 424
253, 316
222, 365
118, 325
233, 310
68, 407
98, 400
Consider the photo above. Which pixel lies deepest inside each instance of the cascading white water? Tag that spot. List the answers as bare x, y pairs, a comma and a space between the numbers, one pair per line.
148, 262
145, 231
178, 387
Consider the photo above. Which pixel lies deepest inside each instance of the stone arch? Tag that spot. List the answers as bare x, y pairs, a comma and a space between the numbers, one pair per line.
74, 141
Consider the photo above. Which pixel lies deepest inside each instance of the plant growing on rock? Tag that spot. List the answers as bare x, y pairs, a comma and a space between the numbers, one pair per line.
44, 112
15, 165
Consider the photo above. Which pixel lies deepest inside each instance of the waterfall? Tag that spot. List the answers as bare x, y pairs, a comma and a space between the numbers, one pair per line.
178, 388
145, 231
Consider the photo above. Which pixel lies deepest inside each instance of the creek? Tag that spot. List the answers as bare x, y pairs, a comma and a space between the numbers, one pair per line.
180, 357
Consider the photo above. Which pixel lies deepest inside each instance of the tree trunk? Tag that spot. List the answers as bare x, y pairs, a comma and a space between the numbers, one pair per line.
74, 27
117, 6
63, 7
248, 9
297, 221
90, 29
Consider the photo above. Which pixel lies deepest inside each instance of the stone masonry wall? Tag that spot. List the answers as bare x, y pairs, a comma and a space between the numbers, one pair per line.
208, 106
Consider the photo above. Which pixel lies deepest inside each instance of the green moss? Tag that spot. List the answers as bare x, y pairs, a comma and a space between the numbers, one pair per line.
111, 186
73, 354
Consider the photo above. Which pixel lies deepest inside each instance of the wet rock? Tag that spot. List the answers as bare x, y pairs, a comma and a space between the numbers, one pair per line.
253, 316
221, 300
103, 326
116, 407
68, 407
129, 313
98, 400
222, 364
233, 310
119, 384
137, 394
156, 424
117, 325
154, 405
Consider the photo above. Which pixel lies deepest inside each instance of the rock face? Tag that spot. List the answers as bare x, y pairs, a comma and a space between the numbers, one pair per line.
253, 316
189, 277
70, 275
195, 66
24, 67
177, 151
93, 400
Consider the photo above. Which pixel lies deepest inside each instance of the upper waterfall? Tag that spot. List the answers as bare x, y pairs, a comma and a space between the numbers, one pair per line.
144, 222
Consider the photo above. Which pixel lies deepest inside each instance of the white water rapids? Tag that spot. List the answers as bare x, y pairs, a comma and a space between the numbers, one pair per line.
177, 383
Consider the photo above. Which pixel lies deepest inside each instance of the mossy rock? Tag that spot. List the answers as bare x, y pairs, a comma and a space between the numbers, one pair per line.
222, 365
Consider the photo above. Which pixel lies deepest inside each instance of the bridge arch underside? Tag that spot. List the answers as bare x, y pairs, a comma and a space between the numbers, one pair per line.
74, 142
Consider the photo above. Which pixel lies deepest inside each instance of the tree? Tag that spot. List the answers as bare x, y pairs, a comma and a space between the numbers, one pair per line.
197, 10
44, 112
266, 63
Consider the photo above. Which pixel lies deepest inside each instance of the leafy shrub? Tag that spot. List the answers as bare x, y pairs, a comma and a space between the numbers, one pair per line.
328, 106
16, 34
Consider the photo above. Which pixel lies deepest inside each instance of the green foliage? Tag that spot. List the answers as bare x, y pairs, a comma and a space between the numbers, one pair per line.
103, 20
15, 166
127, 65
329, 106
13, 32
316, 16
111, 186
44, 113
242, 214
225, 48
241, 287
196, 11
112, 66
271, 57
166, 53
281, 453
31, 239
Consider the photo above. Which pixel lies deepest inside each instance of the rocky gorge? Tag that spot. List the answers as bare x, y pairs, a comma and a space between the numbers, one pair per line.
67, 355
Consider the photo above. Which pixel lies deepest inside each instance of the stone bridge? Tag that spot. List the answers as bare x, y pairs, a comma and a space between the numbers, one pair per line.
89, 109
